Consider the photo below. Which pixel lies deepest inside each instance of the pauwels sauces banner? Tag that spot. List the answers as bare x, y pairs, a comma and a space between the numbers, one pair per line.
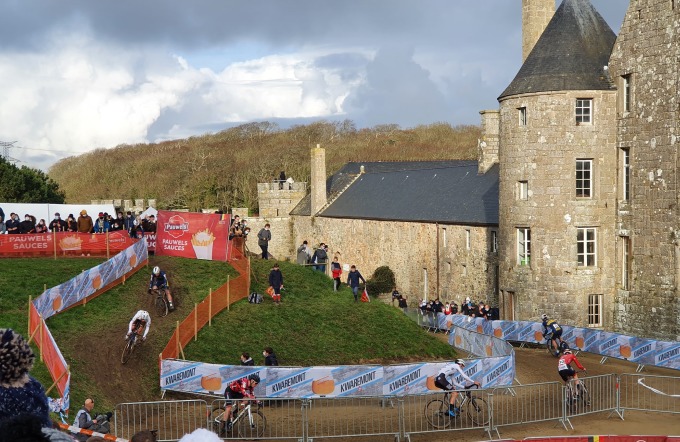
192, 235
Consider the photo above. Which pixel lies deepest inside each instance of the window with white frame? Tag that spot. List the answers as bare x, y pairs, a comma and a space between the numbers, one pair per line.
626, 263
494, 241
444, 239
522, 190
595, 311
524, 246
467, 239
522, 112
627, 93
586, 246
584, 178
625, 174
584, 110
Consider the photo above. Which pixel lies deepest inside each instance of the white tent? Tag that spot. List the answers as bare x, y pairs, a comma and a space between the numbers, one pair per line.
149, 211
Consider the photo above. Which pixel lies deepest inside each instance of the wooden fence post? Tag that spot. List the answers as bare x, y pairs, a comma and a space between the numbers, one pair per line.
228, 294
107, 245
210, 308
54, 243
195, 321
41, 337
29, 314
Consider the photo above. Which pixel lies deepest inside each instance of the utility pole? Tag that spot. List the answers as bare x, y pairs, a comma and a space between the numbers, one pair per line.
6, 146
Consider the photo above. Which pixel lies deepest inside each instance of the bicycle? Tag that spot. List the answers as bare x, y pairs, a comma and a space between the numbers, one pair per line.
161, 301
249, 423
437, 410
560, 344
576, 394
131, 342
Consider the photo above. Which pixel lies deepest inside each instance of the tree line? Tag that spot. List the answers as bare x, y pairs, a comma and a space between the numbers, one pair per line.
221, 170
27, 185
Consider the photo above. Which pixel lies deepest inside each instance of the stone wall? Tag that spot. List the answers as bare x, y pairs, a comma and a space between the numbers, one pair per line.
536, 15
410, 250
281, 244
278, 199
543, 154
647, 51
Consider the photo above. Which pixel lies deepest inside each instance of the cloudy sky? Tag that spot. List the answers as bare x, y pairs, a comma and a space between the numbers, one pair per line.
80, 74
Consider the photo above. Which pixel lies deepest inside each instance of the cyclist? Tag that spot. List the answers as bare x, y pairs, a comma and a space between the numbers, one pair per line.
242, 388
160, 280
450, 371
552, 332
140, 321
565, 369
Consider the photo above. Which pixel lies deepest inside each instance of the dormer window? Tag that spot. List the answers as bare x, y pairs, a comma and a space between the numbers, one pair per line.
584, 111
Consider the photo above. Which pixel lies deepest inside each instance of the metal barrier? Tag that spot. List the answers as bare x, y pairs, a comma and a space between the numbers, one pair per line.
172, 419
356, 416
281, 419
522, 404
660, 394
601, 394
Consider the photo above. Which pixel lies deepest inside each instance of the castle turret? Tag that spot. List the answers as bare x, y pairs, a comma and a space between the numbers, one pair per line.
536, 14
488, 144
318, 182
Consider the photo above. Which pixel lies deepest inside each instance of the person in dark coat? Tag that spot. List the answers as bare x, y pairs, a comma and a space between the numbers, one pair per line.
247, 360
353, 278
276, 282
270, 359
27, 225
12, 225
57, 224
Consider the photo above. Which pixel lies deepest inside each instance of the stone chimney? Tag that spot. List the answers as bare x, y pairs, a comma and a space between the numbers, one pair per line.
536, 15
318, 184
488, 144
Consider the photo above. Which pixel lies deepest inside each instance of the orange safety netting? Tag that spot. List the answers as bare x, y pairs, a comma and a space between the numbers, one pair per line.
234, 290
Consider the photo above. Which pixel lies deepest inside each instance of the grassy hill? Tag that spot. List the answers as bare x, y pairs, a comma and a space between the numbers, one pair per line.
313, 326
221, 170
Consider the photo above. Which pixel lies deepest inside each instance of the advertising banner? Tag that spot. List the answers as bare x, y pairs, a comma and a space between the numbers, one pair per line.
192, 235
66, 243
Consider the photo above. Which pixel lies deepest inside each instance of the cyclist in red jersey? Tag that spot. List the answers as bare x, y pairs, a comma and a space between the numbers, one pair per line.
243, 388
564, 366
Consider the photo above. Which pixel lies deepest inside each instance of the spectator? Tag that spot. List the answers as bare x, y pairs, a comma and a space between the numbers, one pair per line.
84, 419
2, 221
96, 439
129, 224
150, 436
353, 278
85, 224
303, 254
57, 224
282, 179
27, 428
246, 359
246, 232
336, 271
235, 221
482, 312
200, 435
20, 393
139, 231
320, 258
466, 307
402, 302
12, 225
71, 224
41, 227
263, 238
101, 224
27, 225
454, 308
270, 359
395, 295
276, 282
437, 306
447, 309
118, 223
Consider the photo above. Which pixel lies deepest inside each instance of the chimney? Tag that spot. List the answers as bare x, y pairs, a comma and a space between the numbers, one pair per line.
489, 143
536, 14
318, 184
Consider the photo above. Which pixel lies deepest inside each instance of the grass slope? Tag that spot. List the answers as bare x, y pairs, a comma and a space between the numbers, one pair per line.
313, 326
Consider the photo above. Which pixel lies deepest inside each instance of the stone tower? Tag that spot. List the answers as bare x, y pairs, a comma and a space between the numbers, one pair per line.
557, 193
488, 144
318, 178
536, 14
644, 65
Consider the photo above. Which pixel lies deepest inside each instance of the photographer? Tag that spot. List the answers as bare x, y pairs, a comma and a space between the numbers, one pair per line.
84, 420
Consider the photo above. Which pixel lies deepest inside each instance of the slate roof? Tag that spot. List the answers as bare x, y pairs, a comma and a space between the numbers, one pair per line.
449, 192
570, 54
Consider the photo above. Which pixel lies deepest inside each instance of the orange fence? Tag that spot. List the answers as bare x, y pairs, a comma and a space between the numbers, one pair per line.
235, 289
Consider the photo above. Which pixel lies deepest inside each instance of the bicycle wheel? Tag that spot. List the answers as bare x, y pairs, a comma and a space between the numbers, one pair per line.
127, 351
478, 410
251, 427
436, 413
551, 349
215, 420
584, 395
161, 305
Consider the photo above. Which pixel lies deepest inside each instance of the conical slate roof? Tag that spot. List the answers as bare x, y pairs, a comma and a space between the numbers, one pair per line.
570, 55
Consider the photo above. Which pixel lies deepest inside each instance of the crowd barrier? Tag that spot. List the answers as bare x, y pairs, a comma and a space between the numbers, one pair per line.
78, 290
402, 416
64, 244
235, 289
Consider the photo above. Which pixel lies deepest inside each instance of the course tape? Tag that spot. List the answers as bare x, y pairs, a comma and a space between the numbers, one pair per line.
75, 430
640, 381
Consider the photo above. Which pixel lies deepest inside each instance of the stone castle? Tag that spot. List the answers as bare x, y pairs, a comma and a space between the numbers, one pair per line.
572, 208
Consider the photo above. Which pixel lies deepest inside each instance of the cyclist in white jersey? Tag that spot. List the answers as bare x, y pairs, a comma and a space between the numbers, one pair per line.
140, 319
449, 372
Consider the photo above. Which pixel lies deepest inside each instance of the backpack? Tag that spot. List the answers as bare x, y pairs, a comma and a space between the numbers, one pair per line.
255, 298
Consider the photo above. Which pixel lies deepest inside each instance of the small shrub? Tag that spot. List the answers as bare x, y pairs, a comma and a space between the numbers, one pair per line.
382, 281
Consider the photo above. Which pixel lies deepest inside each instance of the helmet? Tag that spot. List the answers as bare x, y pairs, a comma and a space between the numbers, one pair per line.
144, 314
254, 377
156, 270
460, 362
566, 351
544, 316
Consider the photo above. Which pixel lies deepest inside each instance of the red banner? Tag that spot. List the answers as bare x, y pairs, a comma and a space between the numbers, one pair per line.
66, 243
192, 235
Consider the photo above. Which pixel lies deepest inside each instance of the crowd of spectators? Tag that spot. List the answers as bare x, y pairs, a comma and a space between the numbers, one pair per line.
135, 225
467, 308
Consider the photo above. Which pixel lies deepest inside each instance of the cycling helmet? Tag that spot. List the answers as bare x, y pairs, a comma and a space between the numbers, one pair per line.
156, 270
144, 313
460, 362
254, 377
544, 316
566, 351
